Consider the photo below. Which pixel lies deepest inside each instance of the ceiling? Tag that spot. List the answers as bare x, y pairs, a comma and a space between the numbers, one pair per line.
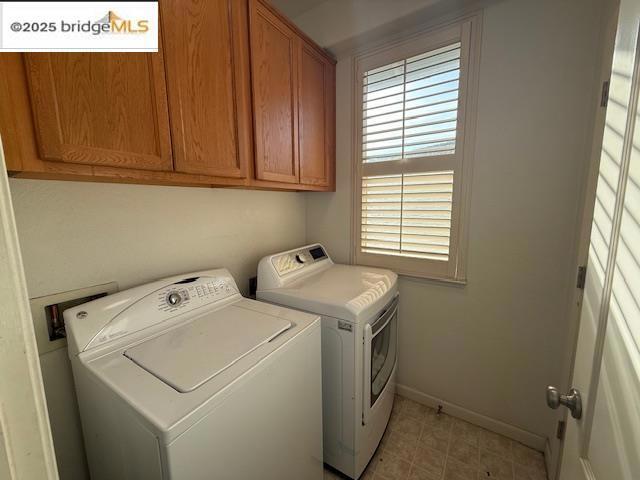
293, 8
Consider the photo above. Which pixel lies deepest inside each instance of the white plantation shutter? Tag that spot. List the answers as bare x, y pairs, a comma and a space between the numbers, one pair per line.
410, 151
407, 215
410, 108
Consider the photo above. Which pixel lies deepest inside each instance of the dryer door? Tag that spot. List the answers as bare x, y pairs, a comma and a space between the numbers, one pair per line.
380, 345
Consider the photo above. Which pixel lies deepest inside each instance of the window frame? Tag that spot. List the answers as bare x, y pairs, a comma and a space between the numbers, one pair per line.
467, 32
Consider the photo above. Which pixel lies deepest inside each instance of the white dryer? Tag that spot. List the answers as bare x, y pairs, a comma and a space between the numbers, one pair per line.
359, 308
184, 378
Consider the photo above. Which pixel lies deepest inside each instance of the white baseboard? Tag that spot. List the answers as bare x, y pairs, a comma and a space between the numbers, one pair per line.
515, 433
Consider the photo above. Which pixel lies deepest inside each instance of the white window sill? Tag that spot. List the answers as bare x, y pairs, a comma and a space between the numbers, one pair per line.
431, 279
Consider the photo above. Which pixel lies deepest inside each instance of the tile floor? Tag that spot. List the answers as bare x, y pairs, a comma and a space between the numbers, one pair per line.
421, 445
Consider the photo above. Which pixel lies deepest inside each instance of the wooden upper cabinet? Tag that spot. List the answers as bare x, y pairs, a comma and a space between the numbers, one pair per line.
316, 117
208, 80
107, 109
274, 81
235, 96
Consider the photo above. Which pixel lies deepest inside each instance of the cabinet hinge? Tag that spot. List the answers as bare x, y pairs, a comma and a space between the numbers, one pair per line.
560, 430
582, 276
604, 99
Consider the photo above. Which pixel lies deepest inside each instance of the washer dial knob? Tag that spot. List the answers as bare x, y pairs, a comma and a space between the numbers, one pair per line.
174, 299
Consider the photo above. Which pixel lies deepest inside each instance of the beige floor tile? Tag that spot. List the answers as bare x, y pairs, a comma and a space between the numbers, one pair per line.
415, 410
398, 402
401, 446
495, 467
435, 438
405, 425
436, 420
418, 444
464, 452
466, 431
528, 473
527, 456
418, 473
455, 470
392, 468
395, 413
431, 461
496, 444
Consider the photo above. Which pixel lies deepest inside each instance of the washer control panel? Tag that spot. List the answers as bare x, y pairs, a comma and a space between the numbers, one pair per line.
298, 259
194, 292
167, 300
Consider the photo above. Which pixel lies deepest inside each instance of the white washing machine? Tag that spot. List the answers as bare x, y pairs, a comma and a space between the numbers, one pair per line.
359, 308
185, 379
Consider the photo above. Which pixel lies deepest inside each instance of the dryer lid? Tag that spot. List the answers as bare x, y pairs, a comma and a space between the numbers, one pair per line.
194, 353
348, 292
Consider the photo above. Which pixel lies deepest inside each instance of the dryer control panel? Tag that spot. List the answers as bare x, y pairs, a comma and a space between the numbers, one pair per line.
295, 260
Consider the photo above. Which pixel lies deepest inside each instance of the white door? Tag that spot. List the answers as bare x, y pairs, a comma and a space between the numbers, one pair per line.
604, 443
26, 448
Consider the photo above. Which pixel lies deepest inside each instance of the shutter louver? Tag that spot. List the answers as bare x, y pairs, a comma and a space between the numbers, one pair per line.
407, 215
410, 107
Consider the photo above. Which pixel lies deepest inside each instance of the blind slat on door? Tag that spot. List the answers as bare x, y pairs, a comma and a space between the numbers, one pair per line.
407, 215
410, 107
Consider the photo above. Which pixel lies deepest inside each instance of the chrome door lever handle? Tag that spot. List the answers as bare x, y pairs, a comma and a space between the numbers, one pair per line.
573, 401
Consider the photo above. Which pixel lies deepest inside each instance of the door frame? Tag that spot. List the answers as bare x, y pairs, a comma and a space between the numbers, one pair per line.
24, 420
606, 41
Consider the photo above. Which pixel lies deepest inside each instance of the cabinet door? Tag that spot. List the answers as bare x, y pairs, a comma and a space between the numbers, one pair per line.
101, 109
274, 81
207, 61
316, 117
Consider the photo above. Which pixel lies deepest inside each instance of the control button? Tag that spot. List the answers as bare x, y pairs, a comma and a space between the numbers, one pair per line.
299, 258
174, 299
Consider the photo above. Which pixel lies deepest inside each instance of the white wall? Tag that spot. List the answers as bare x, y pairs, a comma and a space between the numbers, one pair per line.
74, 235
4, 461
493, 345
357, 22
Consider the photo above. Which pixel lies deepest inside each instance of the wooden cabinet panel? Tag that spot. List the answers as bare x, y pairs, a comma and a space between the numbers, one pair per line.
316, 122
207, 62
274, 82
231, 71
101, 109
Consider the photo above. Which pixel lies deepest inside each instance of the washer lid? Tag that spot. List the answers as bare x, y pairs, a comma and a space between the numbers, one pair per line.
190, 355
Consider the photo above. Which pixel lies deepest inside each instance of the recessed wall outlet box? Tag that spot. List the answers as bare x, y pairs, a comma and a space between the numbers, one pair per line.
48, 321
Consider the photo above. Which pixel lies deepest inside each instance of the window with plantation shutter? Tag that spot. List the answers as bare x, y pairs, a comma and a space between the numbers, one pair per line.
413, 117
